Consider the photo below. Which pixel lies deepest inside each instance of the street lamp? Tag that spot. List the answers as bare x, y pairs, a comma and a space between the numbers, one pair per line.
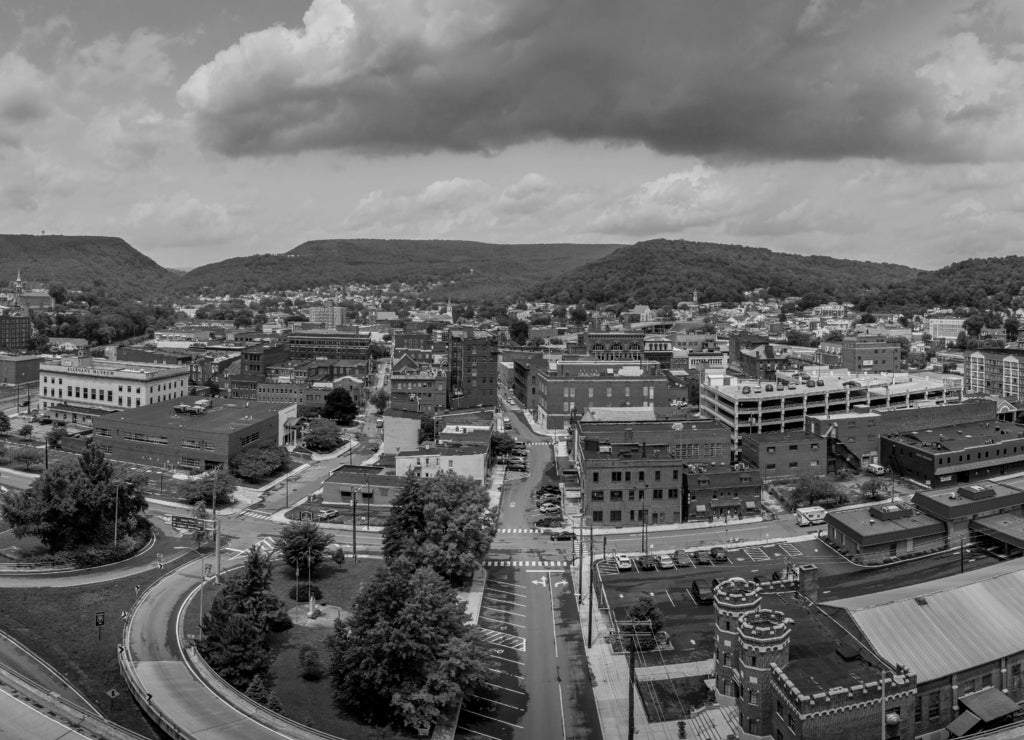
117, 499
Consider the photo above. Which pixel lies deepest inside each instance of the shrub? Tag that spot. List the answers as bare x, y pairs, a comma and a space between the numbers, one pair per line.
302, 592
338, 556
279, 621
309, 659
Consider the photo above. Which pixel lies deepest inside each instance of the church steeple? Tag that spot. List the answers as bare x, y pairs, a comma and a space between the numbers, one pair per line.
17, 289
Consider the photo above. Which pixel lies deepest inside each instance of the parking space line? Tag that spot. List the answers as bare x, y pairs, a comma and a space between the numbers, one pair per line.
494, 701
505, 688
507, 624
508, 660
477, 732
511, 594
502, 611
670, 598
495, 719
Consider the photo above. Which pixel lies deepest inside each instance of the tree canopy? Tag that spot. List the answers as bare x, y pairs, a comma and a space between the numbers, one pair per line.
322, 435
257, 463
338, 405
302, 545
443, 522
73, 504
407, 653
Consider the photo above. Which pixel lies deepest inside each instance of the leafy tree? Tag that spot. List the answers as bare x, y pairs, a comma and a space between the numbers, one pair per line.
323, 435
5, 423
867, 318
406, 654
73, 504
234, 645
310, 410
257, 690
199, 535
519, 332
26, 457
646, 610
274, 703
815, 492
55, 436
216, 486
443, 522
835, 335
502, 444
338, 405
25, 431
338, 555
379, 350
257, 463
380, 399
1012, 327
213, 385
302, 545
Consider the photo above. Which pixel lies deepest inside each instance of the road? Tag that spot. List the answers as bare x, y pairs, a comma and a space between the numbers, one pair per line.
21, 720
540, 685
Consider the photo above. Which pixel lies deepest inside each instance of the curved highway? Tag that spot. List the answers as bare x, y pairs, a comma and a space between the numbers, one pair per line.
22, 720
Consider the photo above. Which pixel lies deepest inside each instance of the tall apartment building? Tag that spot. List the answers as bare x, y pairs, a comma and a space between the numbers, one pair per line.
994, 372
472, 368
334, 345
257, 358
570, 387
15, 332
945, 328
76, 389
329, 315
424, 390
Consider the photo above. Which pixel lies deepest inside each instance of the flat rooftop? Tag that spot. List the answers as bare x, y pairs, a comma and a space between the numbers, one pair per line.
959, 437
226, 415
860, 519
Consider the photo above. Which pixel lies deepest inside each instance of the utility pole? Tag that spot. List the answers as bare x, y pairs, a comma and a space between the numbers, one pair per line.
117, 499
961, 553
632, 678
590, 609
355, 558
581, 557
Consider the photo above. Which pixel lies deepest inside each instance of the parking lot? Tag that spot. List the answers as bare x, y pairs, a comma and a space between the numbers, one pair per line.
497, 711
689, 624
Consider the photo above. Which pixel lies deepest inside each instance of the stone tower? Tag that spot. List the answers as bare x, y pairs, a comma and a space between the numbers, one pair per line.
763, 641
734, 599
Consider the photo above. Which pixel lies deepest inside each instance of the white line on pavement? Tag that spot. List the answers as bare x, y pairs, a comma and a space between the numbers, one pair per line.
670, 598
477, 732
495, 719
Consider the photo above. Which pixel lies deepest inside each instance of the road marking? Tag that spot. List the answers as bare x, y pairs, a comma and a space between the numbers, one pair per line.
505, 688
542, 582
509, 624
561, 583
670, 598
561, 706
495, 719
503, 611
495, 701
554, 629
508, 660
513, 594
559, 570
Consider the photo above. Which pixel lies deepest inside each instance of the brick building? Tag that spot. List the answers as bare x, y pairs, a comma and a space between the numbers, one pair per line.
472, 368
159, 435
331, 344
863, 354
15, 332
959, 453
568, 388
785, 454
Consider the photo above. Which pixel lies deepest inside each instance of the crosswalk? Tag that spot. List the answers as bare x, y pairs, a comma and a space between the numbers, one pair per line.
522, 530
790, 549
525, 564
256, 514
495, 637
756, 554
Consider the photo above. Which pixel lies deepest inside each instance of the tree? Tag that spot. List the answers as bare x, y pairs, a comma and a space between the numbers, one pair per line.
443, 522
5, 424
55, 436
213, 386
234, 645
406, 654
816, 492
519, 332
215, 486
302, 545
26, 457
322, 435
310, 410
25, 431
379, 350
867, 318
645, 610
502, 444
1012, 327
380, 399
199, 535
578, 315
257, 690
74, 504
338, 405
258, 463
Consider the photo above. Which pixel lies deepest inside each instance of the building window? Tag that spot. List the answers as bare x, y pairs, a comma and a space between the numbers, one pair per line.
632, 495
933, 705
640, 475
657, 493
597, 477
673, 493
616, 476
615, 516
616, 496
249, 438
793, 448
770, 466
770, 450
657, 475
794, 464
597, 495
597, 515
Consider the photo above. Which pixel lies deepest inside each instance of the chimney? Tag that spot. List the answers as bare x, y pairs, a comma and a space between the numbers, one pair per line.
808, 581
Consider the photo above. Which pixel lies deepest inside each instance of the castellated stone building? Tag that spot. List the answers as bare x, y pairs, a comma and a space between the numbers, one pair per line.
794, 674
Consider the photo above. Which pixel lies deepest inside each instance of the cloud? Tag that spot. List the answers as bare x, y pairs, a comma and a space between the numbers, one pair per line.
25, 92
138, 61
746, 79
183, 219
440, 208
127, 136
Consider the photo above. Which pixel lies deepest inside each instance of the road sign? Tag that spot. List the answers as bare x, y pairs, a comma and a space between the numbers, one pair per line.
113, 693
188, 522
100, 618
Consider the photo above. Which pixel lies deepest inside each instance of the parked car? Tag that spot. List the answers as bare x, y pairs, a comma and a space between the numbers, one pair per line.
701, 591
623, 562
549, 508
516, 467
325, 514
665, 562
506, 420
565, 534
682, 558
702, 557
719, 555
549, 498
549, 521
647, 562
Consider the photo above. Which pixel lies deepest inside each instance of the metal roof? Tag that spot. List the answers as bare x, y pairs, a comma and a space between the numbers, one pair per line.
948, 625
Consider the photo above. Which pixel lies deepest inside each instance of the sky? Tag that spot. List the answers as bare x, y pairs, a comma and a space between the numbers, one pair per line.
883, 130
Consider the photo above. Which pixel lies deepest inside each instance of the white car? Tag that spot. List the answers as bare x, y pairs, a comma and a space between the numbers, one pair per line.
549, 508
665, 562
623, 562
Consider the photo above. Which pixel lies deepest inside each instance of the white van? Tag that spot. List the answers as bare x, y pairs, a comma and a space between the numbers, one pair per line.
874, 469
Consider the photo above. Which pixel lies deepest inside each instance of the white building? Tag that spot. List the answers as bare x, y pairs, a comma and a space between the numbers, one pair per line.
470, 460
74, 389
944, 327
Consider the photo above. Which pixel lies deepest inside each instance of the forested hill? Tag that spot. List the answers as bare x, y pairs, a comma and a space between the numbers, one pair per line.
86, 263
470, 270
663, 272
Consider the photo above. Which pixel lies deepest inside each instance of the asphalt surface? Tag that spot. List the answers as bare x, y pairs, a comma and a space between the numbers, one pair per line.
540, 685
21, 720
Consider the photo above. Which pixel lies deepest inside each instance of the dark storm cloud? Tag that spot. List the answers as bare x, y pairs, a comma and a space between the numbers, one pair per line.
746, 79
